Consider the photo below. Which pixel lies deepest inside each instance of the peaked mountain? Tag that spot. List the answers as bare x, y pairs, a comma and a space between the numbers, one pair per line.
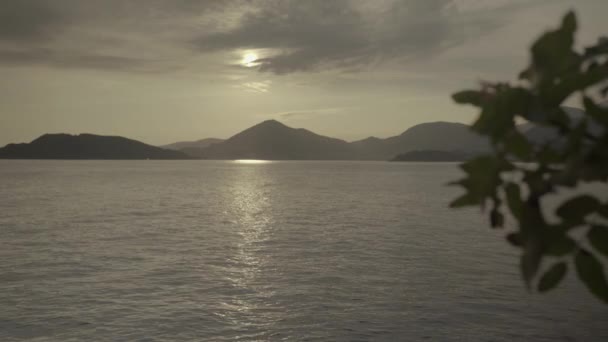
86, 146
274, 141
178, 146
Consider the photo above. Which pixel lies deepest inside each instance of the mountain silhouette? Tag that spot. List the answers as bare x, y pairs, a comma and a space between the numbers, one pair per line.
86, 146
434, 136
178, 146
273, 140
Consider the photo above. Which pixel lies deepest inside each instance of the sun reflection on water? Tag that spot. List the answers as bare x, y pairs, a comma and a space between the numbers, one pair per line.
251, 210
252, 161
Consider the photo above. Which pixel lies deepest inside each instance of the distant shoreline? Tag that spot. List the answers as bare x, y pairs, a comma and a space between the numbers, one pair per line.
268, 140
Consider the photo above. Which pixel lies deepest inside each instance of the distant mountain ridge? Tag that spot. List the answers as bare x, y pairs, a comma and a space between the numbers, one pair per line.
436, 136
86, 146
273, 140
276, 141
178, 146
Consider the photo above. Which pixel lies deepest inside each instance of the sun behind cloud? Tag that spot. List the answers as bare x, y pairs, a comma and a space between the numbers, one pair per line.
249, 60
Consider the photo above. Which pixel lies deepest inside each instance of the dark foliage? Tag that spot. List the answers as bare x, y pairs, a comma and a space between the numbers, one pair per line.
519, 173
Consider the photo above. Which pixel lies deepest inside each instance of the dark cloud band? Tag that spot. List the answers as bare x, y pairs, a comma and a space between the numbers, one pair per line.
297, 35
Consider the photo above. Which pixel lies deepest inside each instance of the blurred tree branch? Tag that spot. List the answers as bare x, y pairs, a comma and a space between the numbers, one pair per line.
512, 180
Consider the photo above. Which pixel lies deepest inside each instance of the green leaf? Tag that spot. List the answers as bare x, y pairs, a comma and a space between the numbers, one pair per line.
601, 48
498, 114
548, 155
557, 93
497, 219
514, 201
603, 210
552, 53
518, 145
483, 179
465, 201
569, 22
515, 239
599, 114
598, 237
526, 74
473, 97
558, 243
558, 117
552, 277
479, 164
530, 260
575, 209
591, 273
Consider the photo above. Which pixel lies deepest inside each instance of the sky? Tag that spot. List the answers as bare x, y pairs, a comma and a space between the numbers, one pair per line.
162, 71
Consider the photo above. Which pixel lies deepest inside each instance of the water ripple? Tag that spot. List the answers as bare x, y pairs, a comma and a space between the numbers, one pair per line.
283, 251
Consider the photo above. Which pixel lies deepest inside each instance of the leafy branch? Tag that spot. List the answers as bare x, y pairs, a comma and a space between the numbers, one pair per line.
512, 180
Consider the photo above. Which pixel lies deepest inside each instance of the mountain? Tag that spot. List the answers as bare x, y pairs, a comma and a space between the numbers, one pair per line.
267, 140
371, 148
441, 136
178, 146
86, 146
435, 136
274, 141
433, 156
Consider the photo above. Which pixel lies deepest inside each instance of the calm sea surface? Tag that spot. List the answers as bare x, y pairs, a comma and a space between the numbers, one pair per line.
294, 251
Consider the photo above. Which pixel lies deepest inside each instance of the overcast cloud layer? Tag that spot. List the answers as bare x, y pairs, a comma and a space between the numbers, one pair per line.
162, 70
292, 36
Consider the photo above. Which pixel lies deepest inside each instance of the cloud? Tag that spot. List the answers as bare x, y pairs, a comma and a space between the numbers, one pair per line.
298, 114
256, 87
29, 20
76, 60
117, 35
294, 35
318, 34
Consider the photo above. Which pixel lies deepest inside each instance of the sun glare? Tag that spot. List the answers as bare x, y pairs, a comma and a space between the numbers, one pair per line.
249, 59
251, 161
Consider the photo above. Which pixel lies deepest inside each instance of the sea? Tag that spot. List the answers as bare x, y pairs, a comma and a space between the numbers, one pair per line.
264, 251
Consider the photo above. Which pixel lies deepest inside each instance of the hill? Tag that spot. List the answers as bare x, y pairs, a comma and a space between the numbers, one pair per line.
273, 140
86, 146
276, 141
198, 144
434, 136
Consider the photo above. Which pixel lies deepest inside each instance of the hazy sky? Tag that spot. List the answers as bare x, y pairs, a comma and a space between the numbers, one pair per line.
167, 70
